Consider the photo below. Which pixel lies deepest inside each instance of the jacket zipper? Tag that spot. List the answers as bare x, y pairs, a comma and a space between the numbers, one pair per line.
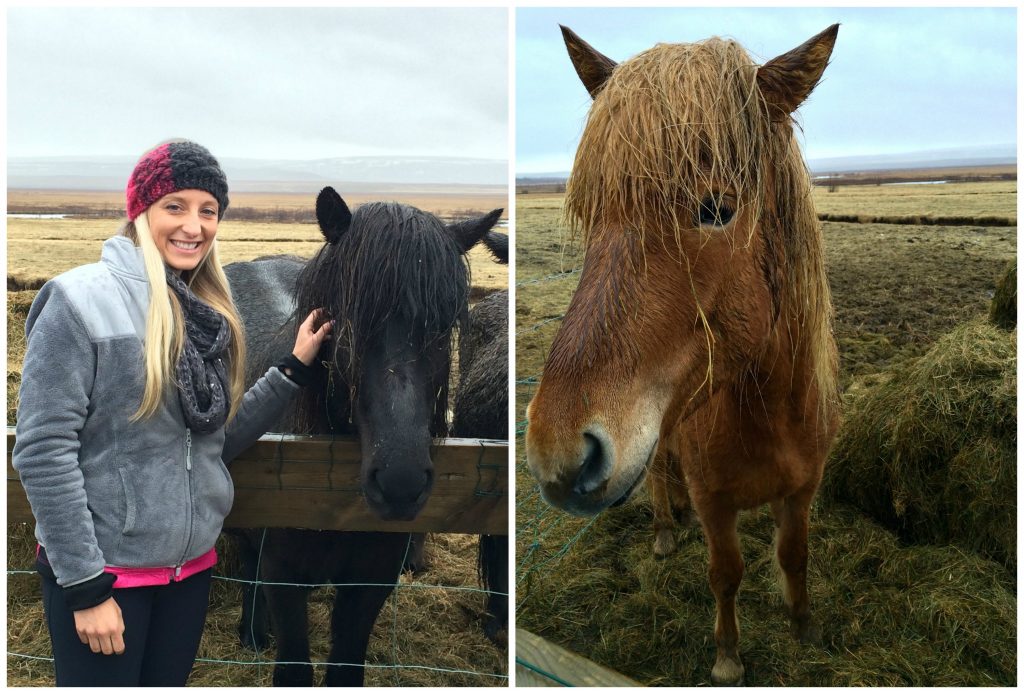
188, 483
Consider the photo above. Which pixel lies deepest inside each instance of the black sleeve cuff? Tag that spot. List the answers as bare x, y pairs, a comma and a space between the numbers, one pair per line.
80, 596
294, 369
91, 593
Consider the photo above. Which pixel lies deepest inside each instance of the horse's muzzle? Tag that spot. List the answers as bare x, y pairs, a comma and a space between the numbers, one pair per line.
597, 480
399, 494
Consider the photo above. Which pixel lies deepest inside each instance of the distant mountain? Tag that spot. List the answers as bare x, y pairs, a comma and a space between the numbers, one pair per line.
354, 174
937, 158
989, 155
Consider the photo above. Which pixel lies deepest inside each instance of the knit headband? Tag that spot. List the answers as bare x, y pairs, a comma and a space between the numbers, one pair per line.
171, 167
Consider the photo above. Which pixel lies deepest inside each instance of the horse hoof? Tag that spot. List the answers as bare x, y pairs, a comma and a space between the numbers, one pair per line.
496, 631
664, 543
417, 568
727, 672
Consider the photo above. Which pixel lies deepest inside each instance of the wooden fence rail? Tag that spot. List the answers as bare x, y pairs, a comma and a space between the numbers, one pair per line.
287, 481
540, 663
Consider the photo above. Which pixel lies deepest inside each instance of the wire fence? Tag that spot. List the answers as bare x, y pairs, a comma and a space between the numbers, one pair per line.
543, 534
396, 666
398, 617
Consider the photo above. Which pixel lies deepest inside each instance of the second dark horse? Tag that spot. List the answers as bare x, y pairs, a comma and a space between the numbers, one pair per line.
396, 282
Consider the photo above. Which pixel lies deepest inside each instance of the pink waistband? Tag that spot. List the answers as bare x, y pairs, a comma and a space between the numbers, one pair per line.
136, 578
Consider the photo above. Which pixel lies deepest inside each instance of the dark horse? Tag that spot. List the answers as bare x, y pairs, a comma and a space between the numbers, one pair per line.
481, 411
395, 281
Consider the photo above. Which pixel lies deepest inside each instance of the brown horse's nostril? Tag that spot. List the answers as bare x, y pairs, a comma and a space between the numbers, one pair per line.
595, 469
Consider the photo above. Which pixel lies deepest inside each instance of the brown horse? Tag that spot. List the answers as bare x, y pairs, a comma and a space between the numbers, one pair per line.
702, 324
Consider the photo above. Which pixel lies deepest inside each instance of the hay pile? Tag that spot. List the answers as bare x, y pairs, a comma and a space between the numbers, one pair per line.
931, 451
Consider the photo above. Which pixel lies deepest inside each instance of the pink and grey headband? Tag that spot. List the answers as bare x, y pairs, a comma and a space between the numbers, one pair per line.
172, 167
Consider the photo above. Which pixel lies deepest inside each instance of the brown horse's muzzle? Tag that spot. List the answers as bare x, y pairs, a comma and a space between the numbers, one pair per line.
588, 475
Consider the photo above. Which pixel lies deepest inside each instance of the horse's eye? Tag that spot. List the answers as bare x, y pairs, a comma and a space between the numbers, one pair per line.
714, 212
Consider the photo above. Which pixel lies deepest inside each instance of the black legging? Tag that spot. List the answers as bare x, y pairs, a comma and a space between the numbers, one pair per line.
162, 628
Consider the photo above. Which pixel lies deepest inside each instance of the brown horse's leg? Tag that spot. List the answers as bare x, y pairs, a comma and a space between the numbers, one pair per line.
725, 573
791, 551
679, 494
664, 522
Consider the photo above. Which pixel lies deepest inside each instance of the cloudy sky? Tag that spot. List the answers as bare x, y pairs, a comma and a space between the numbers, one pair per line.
901, 80
258, 83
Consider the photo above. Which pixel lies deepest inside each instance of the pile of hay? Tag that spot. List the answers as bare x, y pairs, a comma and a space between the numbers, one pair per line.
930, 452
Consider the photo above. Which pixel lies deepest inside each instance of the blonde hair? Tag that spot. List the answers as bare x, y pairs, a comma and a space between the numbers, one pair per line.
165, 323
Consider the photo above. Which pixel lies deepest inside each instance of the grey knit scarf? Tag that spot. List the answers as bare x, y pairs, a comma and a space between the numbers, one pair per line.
201, 371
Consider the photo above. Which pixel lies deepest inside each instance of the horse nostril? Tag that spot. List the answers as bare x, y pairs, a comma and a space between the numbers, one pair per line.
594, 470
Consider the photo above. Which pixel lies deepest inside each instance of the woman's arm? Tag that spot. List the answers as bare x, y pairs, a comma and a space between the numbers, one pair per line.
56, 383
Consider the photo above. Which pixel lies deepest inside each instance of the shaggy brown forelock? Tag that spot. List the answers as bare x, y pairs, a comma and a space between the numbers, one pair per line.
672, 124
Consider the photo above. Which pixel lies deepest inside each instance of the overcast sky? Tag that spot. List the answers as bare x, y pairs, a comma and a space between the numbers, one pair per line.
901, 80
258, 83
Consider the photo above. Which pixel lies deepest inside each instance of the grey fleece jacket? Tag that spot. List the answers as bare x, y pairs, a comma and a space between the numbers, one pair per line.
104, 490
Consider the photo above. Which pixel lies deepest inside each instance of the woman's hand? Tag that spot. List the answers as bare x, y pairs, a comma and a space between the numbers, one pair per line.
101, 627
308, 341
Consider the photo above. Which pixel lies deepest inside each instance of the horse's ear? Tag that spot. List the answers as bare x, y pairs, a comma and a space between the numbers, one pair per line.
497, 244
468, 233
332, 214
787, 80
593, 67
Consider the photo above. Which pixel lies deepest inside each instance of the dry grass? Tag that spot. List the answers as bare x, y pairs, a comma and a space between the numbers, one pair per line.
996, 199
111, 203
43, 248
892, 613
426, 627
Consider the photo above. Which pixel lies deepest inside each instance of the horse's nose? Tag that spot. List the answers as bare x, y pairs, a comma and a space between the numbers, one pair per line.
595, 467
399, 490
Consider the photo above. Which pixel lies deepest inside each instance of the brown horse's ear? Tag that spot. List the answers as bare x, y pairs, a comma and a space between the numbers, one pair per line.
332, 214
593, 67
468, 233
787, 80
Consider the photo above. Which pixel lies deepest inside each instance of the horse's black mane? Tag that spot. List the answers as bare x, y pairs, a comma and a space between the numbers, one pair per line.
394, 260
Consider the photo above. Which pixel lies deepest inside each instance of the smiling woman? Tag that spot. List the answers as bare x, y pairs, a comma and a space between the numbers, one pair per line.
131, 388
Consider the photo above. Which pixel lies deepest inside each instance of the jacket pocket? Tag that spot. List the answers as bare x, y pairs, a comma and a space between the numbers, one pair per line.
131, 507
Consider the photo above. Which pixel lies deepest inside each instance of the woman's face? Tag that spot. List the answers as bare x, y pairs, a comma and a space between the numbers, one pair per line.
184, 224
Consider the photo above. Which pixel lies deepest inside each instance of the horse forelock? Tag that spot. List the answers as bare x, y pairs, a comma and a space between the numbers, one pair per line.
395, 261
670, 125
677, 122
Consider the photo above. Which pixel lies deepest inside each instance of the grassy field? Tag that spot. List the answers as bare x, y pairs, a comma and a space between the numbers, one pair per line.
435, 631
38, 249
111, 203
891, 613
992, 199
